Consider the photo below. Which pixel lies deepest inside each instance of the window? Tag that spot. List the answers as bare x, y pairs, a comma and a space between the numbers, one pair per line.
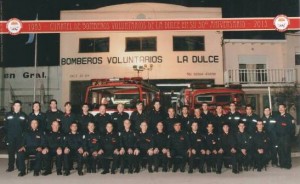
252, 73
188, 43
204, 98
141, 44
93, 45
297, 59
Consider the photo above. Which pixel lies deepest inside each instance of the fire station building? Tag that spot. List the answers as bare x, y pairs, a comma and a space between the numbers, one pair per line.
171, 59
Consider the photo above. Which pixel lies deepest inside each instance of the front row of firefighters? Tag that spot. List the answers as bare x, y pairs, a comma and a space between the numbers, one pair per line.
127, 149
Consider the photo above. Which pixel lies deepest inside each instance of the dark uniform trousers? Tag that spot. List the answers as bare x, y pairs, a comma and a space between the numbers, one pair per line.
14, 126
130, 158
179, 146
161, 142
73, 141
197, 143
244, 141
68, 159
284, 151
48, 159
12, 149
227, 142
270, 125
260, 141
127, 141
110, 143
160, 158
285, 130
22, 157
92, 145
211, 142
144, 143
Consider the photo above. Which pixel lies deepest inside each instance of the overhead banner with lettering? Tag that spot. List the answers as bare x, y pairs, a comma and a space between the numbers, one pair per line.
280, 23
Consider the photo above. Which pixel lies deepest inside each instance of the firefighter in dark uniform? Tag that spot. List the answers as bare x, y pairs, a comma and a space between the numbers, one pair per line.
185, 119
101, 119
74, 148
270, 127
260, 146
38, 115
180, 148
161, 150
285, 128
155, 115
244, 147
138, 116
119, 117
198, 148
84, 118
233, 117
205, 114
218, 120
92, 147
67, 118
111, 148
250, 119
128, 145
53, 114
170, 120
201, 122
53, 148
145, 145
32, 144
227, 149
15, 123
211, 140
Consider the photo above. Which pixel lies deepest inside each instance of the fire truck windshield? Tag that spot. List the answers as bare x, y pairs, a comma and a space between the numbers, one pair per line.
112, 96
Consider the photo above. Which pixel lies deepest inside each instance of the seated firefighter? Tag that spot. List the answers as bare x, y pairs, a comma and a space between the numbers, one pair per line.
179, 145
211, 140
198, 148
73, 149
111, 149
227, 151
53, 148
93, 147
32, 144
244, 143
128, 147
260, 146
145, 147
161, 148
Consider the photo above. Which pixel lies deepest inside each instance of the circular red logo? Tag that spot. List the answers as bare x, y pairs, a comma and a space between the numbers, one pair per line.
14, 26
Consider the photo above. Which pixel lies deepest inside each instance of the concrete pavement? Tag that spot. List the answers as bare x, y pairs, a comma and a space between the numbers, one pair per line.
271, 176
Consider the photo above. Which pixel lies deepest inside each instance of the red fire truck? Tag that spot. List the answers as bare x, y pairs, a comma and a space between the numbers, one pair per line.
213, 95
127, 91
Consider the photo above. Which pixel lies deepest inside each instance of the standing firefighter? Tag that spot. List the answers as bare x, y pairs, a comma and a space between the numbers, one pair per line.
270, 127
15, 123
285, 128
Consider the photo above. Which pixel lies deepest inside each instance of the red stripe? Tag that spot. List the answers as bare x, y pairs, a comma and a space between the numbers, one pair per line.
222, 24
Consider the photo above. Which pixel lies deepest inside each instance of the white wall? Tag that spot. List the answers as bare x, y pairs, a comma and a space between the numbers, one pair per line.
272, 51
20, 82
169, 68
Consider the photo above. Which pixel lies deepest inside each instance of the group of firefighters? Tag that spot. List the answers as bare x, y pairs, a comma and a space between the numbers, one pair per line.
148, 138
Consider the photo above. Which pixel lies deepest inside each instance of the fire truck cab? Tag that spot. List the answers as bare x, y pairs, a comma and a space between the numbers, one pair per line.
213, 95
127, 91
